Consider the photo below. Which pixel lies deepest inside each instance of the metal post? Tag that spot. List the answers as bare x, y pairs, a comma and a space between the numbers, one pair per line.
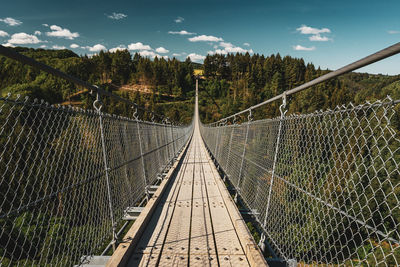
230, 143
166, 141
172, 138
146, 189
157, 147
250, 118
217, 141
278, 140
106, 168
126, 153
219, 125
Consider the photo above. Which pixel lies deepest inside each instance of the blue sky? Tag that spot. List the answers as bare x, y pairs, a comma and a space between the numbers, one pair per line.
329, 34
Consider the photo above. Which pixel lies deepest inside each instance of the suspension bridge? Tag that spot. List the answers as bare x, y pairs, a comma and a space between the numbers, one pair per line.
87, 188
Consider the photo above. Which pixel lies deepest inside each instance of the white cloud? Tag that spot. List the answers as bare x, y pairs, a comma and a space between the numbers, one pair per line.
205, 38
309, 30
11, 21
179, 19
147, 53
74, 46
229, 48
225, 44
3, 33
116, 16
246, 44
57, 31
393, 32
303, 48
38, 33
183, 32
139, 46
43, 46
118, 48
23, 38
318, 38
196, 57
46, 25
58, 47
217, 51
179, 54
8, 45
237, 49
95, 48
315, 32
162, 50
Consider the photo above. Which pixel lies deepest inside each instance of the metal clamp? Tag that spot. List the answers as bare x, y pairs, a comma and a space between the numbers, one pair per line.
250, 116
97, 104
135, 114
282, 107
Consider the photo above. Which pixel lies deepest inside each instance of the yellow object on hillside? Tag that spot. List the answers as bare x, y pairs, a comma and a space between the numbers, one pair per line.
198, 72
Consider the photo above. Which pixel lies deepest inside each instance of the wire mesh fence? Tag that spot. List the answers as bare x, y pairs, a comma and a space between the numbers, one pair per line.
323, 186
62, 193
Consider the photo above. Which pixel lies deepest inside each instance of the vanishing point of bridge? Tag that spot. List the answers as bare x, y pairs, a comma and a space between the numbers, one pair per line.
195, 221
88, 188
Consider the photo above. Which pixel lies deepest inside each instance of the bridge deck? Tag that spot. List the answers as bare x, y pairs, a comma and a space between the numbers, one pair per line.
195, 222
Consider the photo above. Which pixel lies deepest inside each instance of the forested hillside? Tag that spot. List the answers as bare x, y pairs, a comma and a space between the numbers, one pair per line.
232, 82
168, 81
240, 81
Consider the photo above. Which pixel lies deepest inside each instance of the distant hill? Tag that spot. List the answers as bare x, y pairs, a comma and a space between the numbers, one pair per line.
232, 82
242, 80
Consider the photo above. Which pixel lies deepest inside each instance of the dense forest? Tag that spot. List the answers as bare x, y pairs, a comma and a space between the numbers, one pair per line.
164, 86
240, 81
231, 82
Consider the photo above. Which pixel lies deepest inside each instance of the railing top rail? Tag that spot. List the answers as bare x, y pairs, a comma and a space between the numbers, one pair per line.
31, 62
382, 54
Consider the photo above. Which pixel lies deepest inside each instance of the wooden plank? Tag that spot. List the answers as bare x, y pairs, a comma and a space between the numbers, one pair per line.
224, 231
202, 244
178, 260
153, 238
176, 244
121, 255
233, 260
251, 250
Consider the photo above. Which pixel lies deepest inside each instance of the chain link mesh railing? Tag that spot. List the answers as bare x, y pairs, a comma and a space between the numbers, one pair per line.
67, 174
325, 187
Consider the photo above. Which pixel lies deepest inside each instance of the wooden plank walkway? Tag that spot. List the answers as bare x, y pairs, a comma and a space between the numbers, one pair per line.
195, 222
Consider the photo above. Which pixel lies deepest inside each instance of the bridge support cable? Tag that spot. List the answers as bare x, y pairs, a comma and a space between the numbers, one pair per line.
322, 187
